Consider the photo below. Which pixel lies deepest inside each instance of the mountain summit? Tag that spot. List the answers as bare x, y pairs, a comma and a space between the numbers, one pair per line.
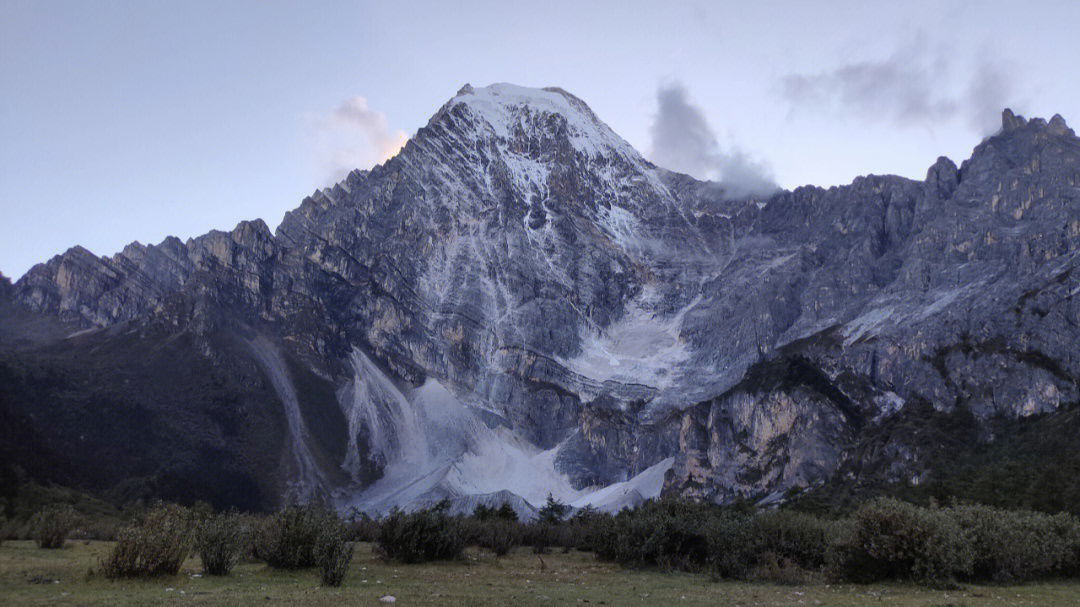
510, 111
519, 304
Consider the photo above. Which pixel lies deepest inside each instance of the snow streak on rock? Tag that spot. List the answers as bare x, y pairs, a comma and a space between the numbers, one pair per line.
310, 482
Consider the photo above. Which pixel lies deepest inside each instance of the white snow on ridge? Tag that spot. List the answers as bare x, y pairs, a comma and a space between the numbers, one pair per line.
506, 108
502, 106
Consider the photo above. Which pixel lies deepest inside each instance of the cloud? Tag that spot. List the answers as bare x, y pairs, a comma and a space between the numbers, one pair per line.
912, 87
989, 93
683, 141
354, 136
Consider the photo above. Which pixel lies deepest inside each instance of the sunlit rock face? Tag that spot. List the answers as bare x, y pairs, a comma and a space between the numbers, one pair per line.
519, 304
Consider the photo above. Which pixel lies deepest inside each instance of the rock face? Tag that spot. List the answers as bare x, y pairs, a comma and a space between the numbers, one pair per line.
519, 304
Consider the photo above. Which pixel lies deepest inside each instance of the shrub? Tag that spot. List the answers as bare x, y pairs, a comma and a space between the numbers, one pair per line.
251, 525
483, 513
1010, 546
886, 540
496, 534
417, 537
123, 560
287, 539
501, 536
893, 540
51, 526
669, 534
332, 552
589, 528
220, 542
775, 569
9, 529
731, 545
157, 546
541, 535
792, 537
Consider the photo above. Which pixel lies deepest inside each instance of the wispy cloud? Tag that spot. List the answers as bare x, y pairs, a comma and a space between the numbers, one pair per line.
683, 141
354, 136
989, 92
914, 86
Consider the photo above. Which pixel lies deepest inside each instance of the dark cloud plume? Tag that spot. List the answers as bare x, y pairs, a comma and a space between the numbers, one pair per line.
990, 91
912, 87
683, 141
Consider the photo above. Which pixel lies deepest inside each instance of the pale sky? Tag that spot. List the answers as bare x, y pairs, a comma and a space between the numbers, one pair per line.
126, 121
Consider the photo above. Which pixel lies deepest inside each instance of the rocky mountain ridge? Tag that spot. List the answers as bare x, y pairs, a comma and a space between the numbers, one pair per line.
520, 304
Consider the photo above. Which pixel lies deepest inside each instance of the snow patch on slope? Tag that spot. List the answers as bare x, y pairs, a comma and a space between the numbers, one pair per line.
621, 225
627, 494
867, 324
440, 449
871, 322
642, 347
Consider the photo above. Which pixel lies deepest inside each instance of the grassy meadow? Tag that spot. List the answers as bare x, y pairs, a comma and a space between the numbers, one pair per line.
68, 576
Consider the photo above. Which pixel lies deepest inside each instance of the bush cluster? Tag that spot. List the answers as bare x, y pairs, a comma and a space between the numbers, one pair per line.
156, 546
332, 552
894, 540
496, 534
672, 534
885, 540
1018, 546
587, 528
220, 543
434, 535
421, 536
301, 537
494, 528
50, 527
287, 539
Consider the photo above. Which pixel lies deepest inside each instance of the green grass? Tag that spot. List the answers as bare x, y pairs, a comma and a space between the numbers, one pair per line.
31, 576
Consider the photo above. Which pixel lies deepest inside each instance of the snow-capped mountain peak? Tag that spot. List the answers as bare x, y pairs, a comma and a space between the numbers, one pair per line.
508, 111
519, 304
